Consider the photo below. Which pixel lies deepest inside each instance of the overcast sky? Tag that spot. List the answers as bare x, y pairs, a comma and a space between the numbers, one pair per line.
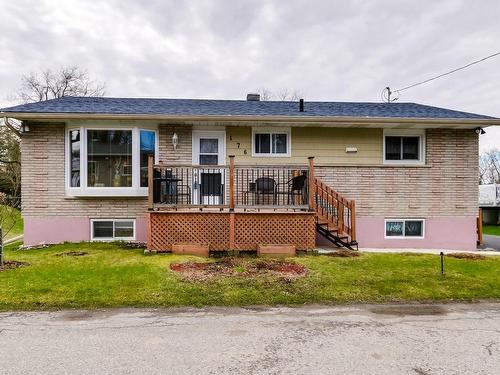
326, 50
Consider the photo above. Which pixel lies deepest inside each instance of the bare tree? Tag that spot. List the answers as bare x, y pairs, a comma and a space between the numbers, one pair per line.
67, 81
36, 87
283, 94
489, 167
265, 94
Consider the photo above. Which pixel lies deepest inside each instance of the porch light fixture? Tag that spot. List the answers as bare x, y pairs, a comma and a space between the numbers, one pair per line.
175, 141
479, 131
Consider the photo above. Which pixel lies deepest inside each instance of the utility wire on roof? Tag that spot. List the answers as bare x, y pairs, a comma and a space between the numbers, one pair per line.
387, 92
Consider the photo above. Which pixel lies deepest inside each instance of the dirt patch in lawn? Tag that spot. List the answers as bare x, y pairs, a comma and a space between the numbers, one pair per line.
72, 254
237, 267
12, 265
467, 256
343, 253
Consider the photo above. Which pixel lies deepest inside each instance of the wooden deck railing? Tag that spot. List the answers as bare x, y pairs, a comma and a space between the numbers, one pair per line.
335, 209
232, 186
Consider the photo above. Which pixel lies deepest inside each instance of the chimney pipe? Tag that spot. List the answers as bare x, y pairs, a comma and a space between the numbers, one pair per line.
301, 105
253, 97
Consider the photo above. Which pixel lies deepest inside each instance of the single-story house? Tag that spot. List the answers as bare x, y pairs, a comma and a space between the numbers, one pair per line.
236, 174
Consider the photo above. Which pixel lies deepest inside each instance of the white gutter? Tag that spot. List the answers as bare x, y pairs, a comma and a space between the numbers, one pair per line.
11, 127
326, 120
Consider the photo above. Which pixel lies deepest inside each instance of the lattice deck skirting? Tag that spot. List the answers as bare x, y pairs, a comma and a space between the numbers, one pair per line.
231, 230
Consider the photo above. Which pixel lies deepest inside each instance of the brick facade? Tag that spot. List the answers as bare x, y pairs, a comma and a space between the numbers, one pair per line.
446, 186
43, 175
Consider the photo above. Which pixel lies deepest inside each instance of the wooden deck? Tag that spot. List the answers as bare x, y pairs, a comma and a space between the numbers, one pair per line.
241, 207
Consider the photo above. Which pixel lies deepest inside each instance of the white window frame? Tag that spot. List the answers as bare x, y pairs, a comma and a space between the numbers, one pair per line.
271, 131
420, 133
105, 239
403, 237
83, 190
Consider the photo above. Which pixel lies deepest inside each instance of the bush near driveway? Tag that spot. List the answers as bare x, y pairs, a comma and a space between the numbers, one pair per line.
112, 275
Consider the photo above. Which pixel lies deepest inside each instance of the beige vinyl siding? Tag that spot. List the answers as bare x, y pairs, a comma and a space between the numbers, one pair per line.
327, 145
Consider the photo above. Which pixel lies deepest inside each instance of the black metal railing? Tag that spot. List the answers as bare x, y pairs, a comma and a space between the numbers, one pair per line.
233, 186
189, 185
277, 186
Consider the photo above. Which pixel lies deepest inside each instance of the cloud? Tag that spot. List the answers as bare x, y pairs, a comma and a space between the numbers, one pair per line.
335, 50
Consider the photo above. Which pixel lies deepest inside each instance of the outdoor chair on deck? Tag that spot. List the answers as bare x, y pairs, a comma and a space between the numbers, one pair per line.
294, 189
264, 186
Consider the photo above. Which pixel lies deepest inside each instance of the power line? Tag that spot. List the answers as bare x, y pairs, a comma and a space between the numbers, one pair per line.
447, 73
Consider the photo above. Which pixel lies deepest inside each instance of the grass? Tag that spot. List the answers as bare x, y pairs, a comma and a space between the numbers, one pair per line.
11, 218
493, 230
113, 276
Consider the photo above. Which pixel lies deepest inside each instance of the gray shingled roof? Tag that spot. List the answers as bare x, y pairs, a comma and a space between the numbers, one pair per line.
205, 107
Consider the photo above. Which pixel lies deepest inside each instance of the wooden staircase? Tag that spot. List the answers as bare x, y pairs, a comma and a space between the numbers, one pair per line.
335, 216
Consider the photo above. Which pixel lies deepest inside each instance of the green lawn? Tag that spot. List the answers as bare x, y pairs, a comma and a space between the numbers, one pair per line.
111, 276
491, 229
11, 218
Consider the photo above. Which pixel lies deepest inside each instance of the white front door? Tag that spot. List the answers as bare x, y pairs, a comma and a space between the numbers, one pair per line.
209, 152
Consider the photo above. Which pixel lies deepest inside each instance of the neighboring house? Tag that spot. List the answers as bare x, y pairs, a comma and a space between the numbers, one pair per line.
489, 201
400, 175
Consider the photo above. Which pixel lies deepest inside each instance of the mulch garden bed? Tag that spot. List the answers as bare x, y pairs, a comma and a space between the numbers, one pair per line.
238, 267
467, 256
343, 253
12, 265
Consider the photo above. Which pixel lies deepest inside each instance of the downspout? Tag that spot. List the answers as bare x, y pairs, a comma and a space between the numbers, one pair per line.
11, 127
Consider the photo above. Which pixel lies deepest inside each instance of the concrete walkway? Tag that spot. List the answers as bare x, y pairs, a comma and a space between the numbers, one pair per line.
430, 251
368, 339
417, 251
491, 242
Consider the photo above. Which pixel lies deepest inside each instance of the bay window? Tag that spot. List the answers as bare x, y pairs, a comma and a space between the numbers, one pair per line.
74, 150
109, 162
109, 158
147, 147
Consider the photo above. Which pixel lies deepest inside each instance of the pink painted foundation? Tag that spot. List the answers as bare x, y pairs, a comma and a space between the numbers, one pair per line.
454, 233
50, 230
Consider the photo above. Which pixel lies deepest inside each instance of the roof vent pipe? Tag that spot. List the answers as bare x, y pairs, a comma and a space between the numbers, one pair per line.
301, 105
253, 97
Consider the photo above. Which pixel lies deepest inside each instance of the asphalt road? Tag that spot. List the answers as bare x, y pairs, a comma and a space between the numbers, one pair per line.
383, 339
492, 242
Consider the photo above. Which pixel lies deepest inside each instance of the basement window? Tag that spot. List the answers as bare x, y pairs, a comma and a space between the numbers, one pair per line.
404, 228
112, 229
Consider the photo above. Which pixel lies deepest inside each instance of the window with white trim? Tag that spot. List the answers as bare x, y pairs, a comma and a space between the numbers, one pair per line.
112, 229
404, 228
269, 142
104, 161
404, 146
